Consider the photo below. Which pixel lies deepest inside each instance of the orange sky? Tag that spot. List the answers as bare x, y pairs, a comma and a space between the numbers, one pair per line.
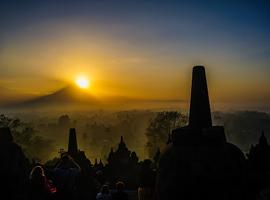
135, 57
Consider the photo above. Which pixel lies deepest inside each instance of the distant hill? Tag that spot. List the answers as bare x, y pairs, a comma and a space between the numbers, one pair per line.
76, 99
69, 96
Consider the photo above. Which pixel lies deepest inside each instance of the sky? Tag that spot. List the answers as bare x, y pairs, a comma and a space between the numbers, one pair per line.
136, 49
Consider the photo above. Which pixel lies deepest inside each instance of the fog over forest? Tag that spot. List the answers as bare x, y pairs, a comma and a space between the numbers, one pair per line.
42, 135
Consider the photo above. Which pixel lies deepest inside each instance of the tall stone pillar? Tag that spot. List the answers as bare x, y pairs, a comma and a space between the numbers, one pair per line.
199, 113
72, 143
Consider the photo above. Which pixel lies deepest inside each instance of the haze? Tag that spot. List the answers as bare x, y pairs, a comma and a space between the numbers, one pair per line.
137, 49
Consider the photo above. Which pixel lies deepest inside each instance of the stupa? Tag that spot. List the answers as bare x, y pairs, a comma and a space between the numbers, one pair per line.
200, 163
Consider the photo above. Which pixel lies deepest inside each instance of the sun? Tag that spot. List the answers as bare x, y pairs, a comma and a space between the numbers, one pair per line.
82, 82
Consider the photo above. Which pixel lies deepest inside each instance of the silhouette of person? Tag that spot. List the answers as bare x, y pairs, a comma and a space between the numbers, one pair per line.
104, 193
120, 194
147, 181
40, 186
100, 178
66, 174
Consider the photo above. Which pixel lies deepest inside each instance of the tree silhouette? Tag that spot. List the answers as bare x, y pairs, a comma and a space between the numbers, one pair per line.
160, 127
34, 146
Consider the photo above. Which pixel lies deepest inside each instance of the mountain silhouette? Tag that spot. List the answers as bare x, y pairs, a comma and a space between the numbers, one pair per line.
69, 96
74, 98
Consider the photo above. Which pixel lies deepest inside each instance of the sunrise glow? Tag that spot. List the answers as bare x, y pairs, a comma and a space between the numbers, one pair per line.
82, 82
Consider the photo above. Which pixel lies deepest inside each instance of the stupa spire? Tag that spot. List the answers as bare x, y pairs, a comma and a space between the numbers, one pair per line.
72, 144
199, 113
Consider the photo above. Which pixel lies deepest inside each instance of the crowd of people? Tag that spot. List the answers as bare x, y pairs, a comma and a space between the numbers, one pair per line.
70, 177
63, 183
